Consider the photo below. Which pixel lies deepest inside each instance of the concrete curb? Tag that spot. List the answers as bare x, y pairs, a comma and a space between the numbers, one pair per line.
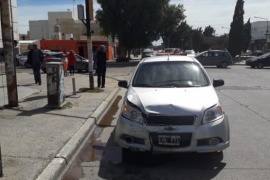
56, 167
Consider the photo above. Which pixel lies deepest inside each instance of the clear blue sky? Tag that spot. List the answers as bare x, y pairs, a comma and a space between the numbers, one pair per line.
200, 13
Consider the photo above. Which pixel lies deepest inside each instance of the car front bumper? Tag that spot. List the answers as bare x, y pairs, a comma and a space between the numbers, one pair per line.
194, 138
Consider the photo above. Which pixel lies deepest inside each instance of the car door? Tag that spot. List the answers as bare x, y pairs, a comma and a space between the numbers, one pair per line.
213, 58
203, 58
79, 63
267, 61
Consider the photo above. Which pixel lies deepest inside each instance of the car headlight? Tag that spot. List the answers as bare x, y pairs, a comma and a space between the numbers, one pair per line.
132, 113
212, 114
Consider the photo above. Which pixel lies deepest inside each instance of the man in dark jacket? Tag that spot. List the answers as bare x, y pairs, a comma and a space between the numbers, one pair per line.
35, 58
101, 66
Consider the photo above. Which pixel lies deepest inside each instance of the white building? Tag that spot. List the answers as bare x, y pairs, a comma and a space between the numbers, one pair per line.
14, 16
258, 35
64, 26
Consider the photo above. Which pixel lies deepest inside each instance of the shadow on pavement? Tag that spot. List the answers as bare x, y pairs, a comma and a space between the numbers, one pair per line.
164, 166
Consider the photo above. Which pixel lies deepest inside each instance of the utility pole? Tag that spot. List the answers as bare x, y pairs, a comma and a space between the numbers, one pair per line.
89, 11
7, 36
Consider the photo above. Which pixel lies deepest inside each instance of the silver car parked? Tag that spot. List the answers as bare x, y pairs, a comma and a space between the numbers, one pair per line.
171, 106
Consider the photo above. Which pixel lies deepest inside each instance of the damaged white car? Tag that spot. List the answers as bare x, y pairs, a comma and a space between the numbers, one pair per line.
171, 106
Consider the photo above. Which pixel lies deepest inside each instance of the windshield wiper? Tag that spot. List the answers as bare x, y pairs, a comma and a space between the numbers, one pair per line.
142, 85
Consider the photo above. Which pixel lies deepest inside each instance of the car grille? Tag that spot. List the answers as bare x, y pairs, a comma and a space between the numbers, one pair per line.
160, 120
185, 140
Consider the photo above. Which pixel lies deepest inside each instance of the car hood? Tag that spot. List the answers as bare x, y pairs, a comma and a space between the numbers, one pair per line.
173, 101
253, 59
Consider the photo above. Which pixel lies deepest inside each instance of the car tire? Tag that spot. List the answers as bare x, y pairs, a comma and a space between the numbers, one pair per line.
224, 64
260, 65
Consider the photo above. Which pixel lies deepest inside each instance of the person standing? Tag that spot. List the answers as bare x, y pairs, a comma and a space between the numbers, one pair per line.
101, 66
35, 58
71, 62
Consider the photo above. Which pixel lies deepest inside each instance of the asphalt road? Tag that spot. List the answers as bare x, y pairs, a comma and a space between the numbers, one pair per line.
244, 98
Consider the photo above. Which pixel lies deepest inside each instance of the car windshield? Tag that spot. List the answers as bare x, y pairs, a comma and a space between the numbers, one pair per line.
170, 74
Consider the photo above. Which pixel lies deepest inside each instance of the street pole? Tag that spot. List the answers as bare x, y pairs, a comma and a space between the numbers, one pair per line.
7, 36
89, 43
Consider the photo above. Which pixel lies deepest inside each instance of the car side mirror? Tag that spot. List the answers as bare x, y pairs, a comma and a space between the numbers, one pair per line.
218, 82
123, 84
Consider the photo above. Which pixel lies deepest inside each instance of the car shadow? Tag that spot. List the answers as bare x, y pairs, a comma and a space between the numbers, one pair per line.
163, 166
264, 68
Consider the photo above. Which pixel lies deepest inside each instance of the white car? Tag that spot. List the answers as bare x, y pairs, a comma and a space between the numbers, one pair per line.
22, 62
171, 106
190, 53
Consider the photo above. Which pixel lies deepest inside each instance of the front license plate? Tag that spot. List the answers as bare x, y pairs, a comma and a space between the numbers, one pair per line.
170, 140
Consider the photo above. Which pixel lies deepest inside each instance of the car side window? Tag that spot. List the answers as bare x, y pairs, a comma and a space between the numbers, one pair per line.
205, 55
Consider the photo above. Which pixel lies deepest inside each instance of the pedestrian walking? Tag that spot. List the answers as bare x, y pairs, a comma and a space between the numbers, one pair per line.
101, 66
71, 62
35, 58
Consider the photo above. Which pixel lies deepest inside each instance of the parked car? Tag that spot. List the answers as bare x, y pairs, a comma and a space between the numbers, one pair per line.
171, 51
147, 53
81, 63
52, 57
218, 58
23, 62
190, 53
22, 56
259, 61
177, 110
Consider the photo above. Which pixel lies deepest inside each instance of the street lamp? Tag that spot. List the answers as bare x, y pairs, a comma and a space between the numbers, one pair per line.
266, 29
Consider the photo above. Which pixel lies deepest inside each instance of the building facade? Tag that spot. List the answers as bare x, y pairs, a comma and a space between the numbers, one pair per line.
260, 38
64, 26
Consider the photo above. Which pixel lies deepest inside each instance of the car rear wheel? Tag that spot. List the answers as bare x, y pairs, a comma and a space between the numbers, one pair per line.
224, 64
260, 65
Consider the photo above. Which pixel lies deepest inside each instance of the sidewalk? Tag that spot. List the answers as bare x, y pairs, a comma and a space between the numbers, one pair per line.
36, 142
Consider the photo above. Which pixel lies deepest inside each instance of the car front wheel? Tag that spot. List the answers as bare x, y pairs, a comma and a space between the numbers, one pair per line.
224, 65
260, 65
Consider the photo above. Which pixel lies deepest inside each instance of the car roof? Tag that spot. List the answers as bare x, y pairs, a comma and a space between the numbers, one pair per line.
168, 58
51, 52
